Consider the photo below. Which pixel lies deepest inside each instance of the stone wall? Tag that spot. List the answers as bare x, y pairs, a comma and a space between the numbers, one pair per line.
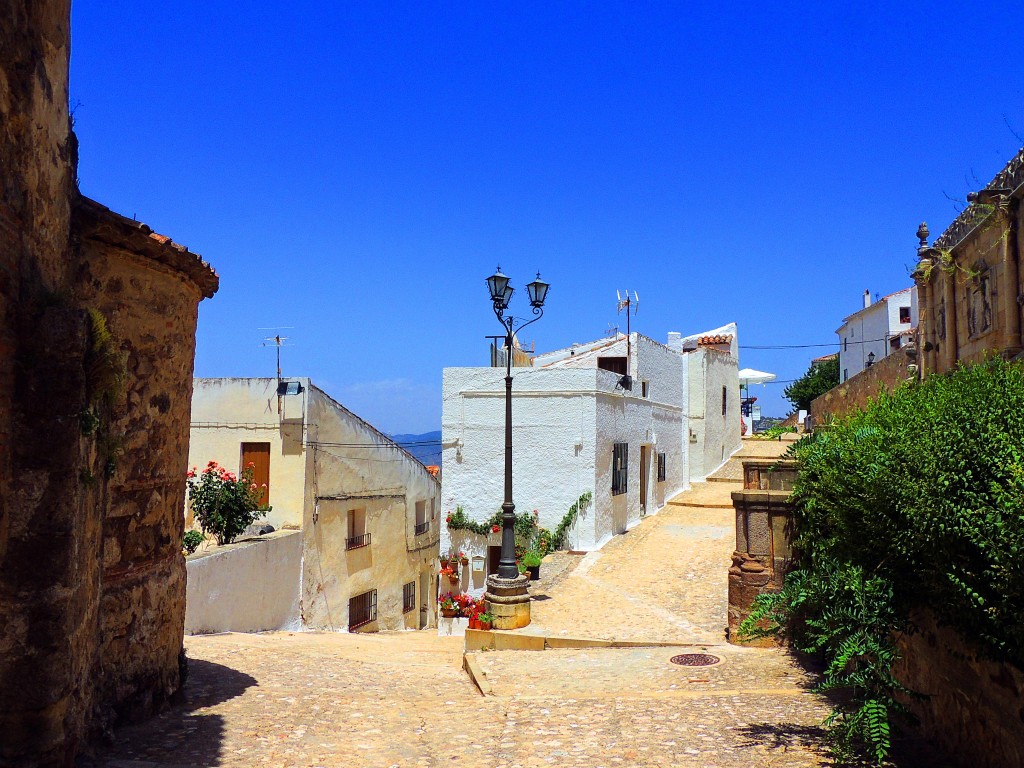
91, 586
974, 709
854, 393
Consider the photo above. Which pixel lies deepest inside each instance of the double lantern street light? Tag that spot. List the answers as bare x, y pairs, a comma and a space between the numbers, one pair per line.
501, 295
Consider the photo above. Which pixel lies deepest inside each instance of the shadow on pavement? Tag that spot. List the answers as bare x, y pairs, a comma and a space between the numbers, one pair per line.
180, 736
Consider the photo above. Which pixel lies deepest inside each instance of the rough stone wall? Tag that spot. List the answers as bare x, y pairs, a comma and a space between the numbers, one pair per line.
854, 393
151, 309
974, 709
66, 592
47, 590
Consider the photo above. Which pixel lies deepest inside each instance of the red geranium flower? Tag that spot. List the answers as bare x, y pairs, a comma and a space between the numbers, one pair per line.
495, 528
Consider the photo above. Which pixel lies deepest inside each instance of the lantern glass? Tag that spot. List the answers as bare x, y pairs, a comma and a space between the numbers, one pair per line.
507, 297
497, 285
538, 291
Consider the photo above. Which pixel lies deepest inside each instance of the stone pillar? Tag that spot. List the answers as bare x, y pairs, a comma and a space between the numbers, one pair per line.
950, 346
1009, 287
762, 555
922, 276
508, 601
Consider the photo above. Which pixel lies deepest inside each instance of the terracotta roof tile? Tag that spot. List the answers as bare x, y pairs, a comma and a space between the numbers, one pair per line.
433, 469
724, 338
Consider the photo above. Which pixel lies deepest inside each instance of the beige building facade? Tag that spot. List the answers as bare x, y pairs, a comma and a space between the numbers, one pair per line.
367, 509
969, 278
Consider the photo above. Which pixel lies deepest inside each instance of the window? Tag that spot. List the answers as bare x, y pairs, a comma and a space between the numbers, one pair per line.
661, 467
258, 454
357, 535
846, 344
904, 314
409, 597
362, 609
725, 395
620, 467
645, 389
846, 373
613, 364
422, 523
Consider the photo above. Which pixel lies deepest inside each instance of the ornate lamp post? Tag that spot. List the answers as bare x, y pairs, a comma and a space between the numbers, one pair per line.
507, 591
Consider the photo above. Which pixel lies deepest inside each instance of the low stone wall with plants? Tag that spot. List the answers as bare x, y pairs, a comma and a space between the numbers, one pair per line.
854, 393
915, 507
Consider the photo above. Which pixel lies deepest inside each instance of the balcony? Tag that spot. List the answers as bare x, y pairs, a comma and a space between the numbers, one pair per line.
422, 528
356, 542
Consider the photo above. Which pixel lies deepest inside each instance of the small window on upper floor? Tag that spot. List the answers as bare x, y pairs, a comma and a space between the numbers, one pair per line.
725, 399
904, 314
846, 373
645, 388
846, 344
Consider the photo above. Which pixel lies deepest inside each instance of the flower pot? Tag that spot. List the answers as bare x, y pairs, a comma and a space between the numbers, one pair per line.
453, 578
534, 572
485, 625
474, 622
449, 613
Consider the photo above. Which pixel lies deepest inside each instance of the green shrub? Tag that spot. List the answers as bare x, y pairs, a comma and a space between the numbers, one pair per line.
532, 558
918, 502
224, 505
191, 540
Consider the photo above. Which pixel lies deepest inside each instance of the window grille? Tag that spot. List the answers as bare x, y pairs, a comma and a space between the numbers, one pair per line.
620, 467
423, 527
409, 597
362, 609
355, 542
661, 467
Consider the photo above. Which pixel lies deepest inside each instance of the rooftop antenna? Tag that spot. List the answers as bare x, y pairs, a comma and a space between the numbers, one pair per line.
278, 341
631, 305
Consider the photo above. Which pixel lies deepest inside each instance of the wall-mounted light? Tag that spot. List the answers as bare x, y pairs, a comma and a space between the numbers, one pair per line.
289, 388
871, 359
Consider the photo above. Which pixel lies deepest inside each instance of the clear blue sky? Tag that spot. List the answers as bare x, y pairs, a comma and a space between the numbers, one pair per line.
355, 171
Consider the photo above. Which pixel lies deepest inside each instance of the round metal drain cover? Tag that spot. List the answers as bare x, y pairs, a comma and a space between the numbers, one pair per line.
695, 659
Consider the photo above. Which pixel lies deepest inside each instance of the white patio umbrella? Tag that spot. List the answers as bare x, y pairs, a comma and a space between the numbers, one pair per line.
749, 376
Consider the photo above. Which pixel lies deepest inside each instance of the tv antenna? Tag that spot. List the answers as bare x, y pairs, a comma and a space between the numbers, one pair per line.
631, 305
277, 340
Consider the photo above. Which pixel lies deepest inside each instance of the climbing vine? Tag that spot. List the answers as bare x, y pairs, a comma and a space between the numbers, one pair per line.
526, 528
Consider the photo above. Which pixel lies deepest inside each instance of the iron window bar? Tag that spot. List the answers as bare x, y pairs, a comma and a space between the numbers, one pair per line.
409, 597
422, 527
362, 609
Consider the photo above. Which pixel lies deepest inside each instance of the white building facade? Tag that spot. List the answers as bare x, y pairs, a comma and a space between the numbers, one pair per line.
367, 509
610, 418
876, 330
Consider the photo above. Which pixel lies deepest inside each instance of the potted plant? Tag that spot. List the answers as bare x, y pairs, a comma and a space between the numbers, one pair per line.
449, 608
532, 560
463, 558
474, 620
484, 621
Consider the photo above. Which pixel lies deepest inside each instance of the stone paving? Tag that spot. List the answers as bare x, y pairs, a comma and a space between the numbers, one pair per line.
402, 699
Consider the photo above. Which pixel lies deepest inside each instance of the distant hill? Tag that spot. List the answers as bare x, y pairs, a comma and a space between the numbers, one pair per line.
425, 447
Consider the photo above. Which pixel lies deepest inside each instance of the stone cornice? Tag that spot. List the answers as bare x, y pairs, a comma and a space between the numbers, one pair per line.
1010, 178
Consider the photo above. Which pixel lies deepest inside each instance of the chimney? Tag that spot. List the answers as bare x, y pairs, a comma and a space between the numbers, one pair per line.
867, 299
674, 339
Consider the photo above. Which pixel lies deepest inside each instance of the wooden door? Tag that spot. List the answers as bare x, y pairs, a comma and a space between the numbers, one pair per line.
259, 455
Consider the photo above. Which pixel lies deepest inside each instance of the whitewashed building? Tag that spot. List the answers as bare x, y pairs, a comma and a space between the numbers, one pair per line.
616, 418
876, 330
366, 509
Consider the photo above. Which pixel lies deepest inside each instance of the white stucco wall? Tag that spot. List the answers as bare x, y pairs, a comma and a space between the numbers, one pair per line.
565, 418
714, 437
869, 329
353, 466
249, 586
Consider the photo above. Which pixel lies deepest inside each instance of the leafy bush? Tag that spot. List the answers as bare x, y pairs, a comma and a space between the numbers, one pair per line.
532, 558
818, 380
918, 502
191, 540
774, 432
225, 505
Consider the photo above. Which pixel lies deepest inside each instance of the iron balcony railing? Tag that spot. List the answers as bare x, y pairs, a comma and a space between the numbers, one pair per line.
355, 542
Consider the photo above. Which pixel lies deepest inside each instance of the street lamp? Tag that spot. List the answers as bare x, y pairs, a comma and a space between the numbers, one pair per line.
871, 359
501, 294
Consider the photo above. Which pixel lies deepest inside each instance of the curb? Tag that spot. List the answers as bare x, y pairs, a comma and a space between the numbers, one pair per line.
476, 674
489, 640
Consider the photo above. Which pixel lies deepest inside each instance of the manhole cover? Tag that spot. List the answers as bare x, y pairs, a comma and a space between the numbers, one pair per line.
695, 659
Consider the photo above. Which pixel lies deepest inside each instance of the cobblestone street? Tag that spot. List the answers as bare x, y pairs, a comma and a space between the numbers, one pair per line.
403, 699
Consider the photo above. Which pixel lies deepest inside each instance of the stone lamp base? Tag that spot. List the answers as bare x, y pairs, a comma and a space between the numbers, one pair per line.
508, 601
